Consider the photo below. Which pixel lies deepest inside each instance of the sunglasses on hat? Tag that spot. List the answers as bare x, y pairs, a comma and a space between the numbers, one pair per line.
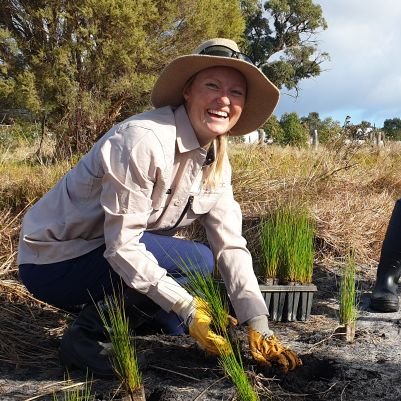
224, 51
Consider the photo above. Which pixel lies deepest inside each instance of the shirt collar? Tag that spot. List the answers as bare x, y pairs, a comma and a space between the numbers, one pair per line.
186, 137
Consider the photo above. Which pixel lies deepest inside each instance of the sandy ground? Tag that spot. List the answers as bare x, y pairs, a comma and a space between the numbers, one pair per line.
175, 369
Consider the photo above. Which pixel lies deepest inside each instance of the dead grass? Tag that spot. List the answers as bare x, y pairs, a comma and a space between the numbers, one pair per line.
350, 193
27, 326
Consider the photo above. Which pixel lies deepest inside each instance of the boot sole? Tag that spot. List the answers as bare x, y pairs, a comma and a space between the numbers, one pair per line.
384, 305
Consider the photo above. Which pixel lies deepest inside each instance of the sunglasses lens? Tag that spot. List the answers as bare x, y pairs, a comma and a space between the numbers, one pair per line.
244, 57
223, 51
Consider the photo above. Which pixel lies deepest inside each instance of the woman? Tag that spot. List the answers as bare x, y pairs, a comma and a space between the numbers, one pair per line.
113, 216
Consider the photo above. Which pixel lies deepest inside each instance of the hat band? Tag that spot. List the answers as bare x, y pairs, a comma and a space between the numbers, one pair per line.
224, 51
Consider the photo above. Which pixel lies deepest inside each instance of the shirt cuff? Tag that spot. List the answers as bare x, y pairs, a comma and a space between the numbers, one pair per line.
168, 292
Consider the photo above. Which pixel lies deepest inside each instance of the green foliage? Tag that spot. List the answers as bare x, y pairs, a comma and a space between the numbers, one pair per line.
204, 286
286, 29
287, 245
392, 128
124, 357
328, 129
270, 245
13, 136
348, 299
87, 64
233, 367
273, 130
295, 134
76, 393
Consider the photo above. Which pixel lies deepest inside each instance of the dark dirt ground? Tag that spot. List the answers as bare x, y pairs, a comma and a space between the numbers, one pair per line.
175, 369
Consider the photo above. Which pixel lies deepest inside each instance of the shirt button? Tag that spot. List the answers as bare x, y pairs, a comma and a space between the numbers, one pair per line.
177, 202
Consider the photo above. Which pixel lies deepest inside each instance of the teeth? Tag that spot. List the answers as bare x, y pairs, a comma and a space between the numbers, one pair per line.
219, 113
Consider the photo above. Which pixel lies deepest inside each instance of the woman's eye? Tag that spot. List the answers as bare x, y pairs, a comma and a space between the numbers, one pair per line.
212, 85
236, 92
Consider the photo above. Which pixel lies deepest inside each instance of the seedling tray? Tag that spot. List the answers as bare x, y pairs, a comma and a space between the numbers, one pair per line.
288, 302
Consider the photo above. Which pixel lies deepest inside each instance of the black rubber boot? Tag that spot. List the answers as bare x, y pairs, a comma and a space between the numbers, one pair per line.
81, 346
384, 296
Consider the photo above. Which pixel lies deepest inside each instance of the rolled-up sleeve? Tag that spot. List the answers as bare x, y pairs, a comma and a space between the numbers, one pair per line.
223, 225
133, 171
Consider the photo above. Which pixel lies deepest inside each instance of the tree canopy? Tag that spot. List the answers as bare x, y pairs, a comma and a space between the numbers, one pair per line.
281, 39
83, 65
294, 132
86, 63
392, 128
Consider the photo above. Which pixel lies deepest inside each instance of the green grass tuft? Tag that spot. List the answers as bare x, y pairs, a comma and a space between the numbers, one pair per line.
348, 297
124, 357
287, 245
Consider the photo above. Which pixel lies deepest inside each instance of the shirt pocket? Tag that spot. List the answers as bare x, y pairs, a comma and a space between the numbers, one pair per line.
161, 202
203, 203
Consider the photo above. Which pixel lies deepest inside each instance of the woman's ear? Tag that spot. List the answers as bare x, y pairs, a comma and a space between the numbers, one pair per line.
187, 87
185, 91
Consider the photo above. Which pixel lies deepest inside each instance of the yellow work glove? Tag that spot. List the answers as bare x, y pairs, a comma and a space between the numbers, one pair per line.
199, 325
267, 350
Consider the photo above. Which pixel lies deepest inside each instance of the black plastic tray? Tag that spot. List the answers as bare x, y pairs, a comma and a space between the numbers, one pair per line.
288, 302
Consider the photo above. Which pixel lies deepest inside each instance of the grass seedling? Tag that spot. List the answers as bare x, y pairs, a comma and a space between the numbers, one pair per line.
348, 298
287, 245
232, 365
73, 392
300, 254
204, 286
270, 244
123, 358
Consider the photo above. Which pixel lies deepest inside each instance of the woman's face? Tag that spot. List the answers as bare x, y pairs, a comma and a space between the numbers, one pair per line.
214, 101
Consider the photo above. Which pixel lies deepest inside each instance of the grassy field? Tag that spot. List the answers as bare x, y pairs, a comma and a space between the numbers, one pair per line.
349, 191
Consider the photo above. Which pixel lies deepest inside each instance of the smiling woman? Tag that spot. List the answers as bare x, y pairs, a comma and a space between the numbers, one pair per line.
214, 101
111, 219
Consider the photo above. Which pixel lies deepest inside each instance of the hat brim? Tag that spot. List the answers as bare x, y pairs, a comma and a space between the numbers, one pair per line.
262, 95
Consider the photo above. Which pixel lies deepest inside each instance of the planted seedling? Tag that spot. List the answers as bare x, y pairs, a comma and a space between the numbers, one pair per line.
76, 392
204, 286
124, 359
348, 299
232, 365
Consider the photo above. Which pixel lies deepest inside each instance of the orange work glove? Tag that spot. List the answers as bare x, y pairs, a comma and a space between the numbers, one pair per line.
199, 325
267, 350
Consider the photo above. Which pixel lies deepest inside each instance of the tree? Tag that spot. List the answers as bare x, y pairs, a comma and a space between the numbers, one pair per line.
85, 64
328, 129
295, 133
273, 130
281, 39
392, 128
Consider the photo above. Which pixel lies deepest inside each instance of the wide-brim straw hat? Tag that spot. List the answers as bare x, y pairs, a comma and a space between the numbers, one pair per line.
262, 95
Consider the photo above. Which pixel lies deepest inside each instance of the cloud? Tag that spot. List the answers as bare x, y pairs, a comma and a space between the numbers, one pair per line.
363, 77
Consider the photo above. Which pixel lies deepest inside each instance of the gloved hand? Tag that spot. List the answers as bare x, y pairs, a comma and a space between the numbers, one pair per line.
267, 350
199, 325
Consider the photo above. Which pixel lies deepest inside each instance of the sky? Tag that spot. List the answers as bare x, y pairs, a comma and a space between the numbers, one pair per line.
362, 79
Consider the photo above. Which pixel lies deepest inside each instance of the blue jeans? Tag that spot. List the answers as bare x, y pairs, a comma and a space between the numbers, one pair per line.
73, 282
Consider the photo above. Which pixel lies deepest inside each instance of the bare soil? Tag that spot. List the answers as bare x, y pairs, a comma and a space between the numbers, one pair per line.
174, 368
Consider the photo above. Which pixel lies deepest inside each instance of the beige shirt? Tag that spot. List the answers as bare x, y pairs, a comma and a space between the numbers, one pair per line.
138, 177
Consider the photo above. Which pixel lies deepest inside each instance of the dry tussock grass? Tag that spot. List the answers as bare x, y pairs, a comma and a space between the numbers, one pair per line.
349, 191
27, 326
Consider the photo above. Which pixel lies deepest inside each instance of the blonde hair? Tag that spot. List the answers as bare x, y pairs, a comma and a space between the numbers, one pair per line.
213, 173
